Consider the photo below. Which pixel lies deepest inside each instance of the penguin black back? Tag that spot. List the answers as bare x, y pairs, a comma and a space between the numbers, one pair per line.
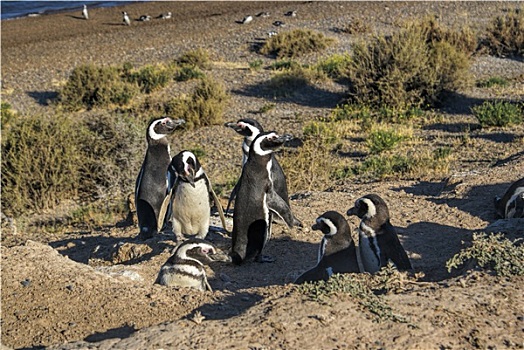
511, 205
337, 251
151, 182
257, 200
378, 238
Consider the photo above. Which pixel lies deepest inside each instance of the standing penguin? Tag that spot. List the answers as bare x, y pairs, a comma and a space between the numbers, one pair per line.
126, 19
337, 252
185, 268
257, 200
151, 183
189, 194
378, 240
84, 13
511, 205
250, 129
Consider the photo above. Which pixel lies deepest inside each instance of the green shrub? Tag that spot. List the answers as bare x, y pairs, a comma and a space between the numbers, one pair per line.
499, 113
493, 81
90, 86
256, 64
335, 66
290, 81
185, 73
198, 58
205, 106
284, 65
295, 43
411, 68
494, 252
505, 35
383, 139
151, 77
320, 131
7, 115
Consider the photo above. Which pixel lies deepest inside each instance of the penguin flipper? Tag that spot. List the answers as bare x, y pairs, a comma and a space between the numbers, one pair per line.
279, 207
217, 203
232, 196
398, 255
315, 274
164, 208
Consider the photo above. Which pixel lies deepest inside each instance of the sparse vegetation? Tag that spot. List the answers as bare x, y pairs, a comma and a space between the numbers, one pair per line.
383, 139
198, 58
355, 286
151, 77
355, 26
493, 81
335, 66
494, 252
295, 43
499, 113
289, 81
505, 36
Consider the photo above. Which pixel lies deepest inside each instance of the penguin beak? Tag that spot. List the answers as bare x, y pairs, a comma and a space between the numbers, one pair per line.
315, 227
172, 124
233, 126
190, 176
352, 211
220, 256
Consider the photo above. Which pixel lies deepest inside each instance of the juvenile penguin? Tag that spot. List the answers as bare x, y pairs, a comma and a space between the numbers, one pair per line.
85, 14
336, 253
250, 129
189, 194
185, 268
511, 205
257, 200
126, 19
151, 183
378, 240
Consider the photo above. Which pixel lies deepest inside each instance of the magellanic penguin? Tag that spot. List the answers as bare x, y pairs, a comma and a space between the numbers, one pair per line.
337, 251
185, 268
85, 14
151, 183
378, 240
189, 195
250, 129
257, 200
126, 19
511, 205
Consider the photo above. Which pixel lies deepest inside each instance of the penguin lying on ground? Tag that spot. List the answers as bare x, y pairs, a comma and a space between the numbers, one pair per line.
337, 251
185, 268
257, 201
151, 183
511, 205
378, 240
250, 129
189, 194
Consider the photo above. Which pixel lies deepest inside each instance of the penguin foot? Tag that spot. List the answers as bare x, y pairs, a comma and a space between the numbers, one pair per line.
265, 259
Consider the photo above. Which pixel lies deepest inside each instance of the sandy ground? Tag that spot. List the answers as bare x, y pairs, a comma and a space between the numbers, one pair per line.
78, 291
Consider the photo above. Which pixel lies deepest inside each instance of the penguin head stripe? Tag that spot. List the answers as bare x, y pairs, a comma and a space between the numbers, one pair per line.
186, 157
185, 248
372, 210
257, 144
252, 128
152, 133
328, 223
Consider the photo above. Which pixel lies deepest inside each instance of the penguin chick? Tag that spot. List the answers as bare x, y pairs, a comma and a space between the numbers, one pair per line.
337, 252
257, 201
185, 268
151, 183
189, 195
250, 129
511, 205
378, 240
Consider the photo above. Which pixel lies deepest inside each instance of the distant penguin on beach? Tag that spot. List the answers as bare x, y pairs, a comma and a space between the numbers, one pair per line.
165, 15
126, 19
84, 13
144, 18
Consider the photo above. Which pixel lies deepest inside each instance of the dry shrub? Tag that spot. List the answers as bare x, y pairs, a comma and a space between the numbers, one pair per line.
198, 58
288, 81
205, 106
151, 77
295, 43
49, 160
90, 86
505, 35
413, 67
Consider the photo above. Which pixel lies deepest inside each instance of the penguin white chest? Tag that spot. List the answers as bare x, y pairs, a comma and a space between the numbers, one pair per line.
368, 247
191, 209
511, 207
